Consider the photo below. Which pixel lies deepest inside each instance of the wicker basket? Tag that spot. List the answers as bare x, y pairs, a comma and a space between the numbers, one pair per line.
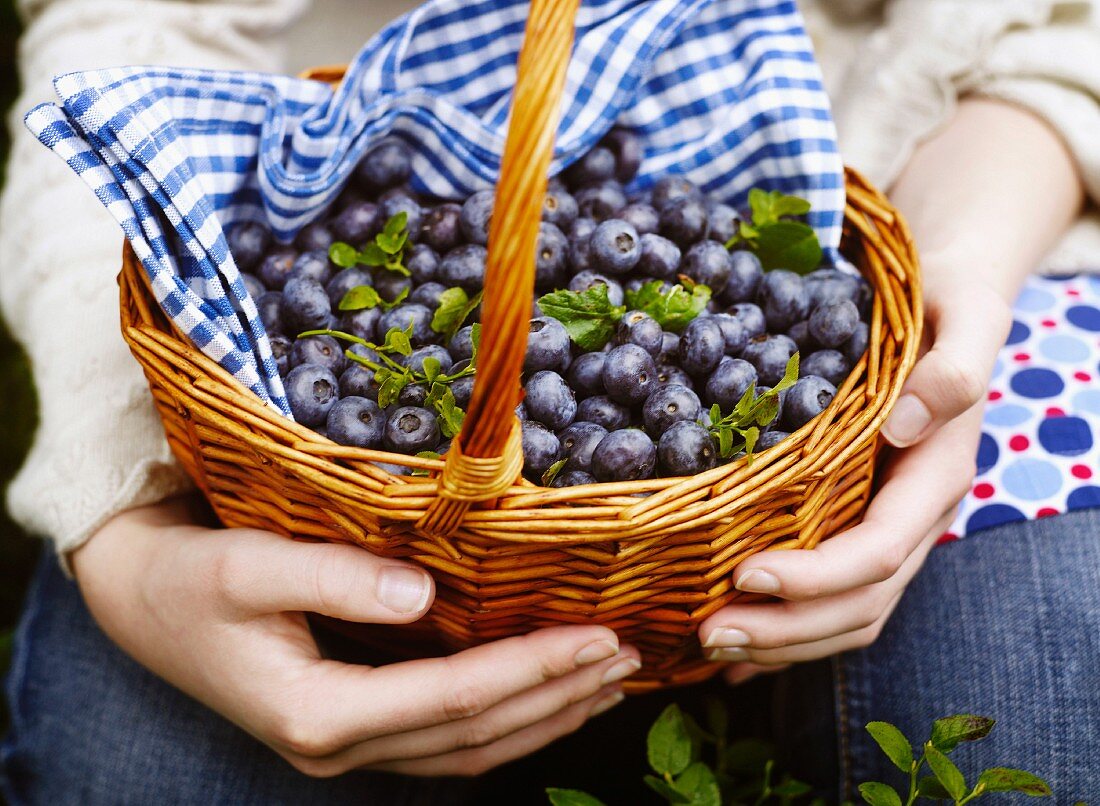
509, 557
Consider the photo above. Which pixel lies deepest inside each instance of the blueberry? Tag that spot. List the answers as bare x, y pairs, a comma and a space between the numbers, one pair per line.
580, 237
428, 294
799, 333
573, 478
344, 281
733, 332
856, 346
356, 421
559, 208
614, 247
684, 221
629, 374
269, 306
305, 305
643, 217
412, 394
521, 412
551, 257
745, 276
253, 286
415, 359
594, 166
391, 284
659, 257
463, 389
404, 315
628, 150
669, 404
362, 323
422, 262
461, 345
670, 347
686, 449
590, 279
625, 455
638, 327
358, 381
247, 243
865, 296
668, 374
600, 202
410, 430
577, 443
547, 345
702, 346
828, 364
723, 221
728, 383
311, 392
474, 219
357, 223
604, 411
314, 266
315, 237
550, 400
751, 318
831, 285
464, 266
805, 400
770, 439
833, 323
386, 164
394, 202
275, 269
586, 374
671, 188
541, 449
769, 355
440, 227
280, 351
708, 262
783, 298
323, 351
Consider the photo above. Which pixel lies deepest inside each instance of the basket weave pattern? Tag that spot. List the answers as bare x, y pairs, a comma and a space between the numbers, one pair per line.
650, 566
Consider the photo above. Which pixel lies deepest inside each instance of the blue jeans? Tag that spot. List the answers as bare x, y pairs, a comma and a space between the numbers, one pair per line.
1004, 624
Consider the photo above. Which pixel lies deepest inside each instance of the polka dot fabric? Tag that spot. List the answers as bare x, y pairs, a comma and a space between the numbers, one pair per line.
1039, 453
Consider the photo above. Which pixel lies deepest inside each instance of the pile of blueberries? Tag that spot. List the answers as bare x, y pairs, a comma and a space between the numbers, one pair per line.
633, 408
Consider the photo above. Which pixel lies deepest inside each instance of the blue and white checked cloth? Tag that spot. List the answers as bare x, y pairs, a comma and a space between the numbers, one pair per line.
726, 92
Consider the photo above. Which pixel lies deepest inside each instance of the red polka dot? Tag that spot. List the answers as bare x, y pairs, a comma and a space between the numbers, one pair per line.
1046, 512
995, 395
946, 537
1021, 357
1054, 411
1049, 323
1073, 292
1081, 471
1082, 376
983, 490
1019, 443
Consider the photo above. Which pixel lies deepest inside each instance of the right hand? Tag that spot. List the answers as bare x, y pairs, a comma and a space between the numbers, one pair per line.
219, 614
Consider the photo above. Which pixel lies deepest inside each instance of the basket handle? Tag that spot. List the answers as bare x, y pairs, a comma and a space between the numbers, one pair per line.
487, 456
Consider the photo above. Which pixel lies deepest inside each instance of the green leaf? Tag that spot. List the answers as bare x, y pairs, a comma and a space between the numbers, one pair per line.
893, 744
425, 455
878, 794
790, 788
552, 472
397, 341
343, 255
665, 789
768, 207
432, 368
452, 303
946, 772
391, 244
669, 744
396, 224
570, 797
588, 316
372, 255
949, 731
929, 787
750, 436
789, 245
748, 756
672, 309
358, 298
1005, 779
790, 375
390, 385
402, 295
700, 786
451, 416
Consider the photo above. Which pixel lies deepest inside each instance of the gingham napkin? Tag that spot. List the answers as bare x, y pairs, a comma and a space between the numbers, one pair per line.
726, 92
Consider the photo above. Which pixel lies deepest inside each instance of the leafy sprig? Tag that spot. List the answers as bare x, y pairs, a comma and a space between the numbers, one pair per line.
455, 307
779, 241
588, 316
365, 296
673, 308
386, 250
740, 429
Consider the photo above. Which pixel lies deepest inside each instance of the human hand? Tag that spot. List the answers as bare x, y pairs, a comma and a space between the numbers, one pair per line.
218, 613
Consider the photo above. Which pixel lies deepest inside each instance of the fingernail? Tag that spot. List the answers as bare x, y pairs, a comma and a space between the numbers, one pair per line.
607, 703
727, 636
624, 668
595, 652
403, 590
757, 581
728, 654
907, 421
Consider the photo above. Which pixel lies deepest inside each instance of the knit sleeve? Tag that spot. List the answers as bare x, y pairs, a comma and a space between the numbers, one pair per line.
100, 448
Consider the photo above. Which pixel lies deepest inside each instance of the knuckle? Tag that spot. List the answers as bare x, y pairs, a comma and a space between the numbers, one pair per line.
478, 733
229, 570
313, 767
960, 384
465, 699
886, 561
303, 739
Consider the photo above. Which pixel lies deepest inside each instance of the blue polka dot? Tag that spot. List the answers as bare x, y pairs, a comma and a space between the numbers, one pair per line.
1037, 383
1033, 300
1065, 436
1031, 479
998, 368
1067, 349
1087, 400
1084, 498
993, 515
1007, 414
987, 452
1019, 333
1085, 317
1094, 282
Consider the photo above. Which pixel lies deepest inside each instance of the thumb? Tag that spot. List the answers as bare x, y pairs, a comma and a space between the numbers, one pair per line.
953, 375
265, 573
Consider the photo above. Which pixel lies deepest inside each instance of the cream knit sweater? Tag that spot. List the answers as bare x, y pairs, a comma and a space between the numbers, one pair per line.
894, 69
